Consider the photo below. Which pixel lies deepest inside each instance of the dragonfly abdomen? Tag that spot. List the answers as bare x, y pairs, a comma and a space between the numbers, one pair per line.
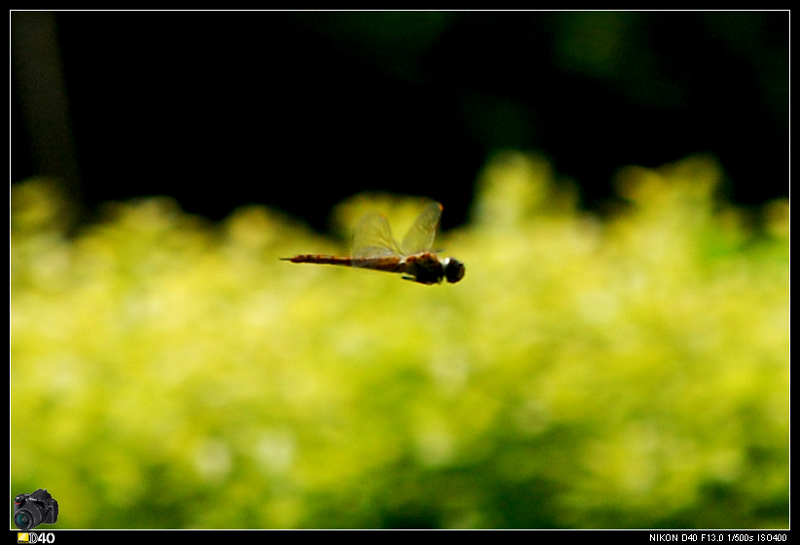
320, 259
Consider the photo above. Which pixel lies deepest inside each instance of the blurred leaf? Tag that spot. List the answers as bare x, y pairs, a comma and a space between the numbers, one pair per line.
626, 373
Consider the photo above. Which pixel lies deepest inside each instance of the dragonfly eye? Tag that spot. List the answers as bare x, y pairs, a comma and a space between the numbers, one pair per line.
453, 270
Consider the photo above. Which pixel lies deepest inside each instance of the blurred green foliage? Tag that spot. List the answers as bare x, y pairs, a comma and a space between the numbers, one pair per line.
630, 372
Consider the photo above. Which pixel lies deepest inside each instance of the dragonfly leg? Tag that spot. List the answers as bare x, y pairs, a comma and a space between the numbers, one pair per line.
418, 281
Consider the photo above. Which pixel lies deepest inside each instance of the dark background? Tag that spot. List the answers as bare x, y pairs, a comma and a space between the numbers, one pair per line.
301, 109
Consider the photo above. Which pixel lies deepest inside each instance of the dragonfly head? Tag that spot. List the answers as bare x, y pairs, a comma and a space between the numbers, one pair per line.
453, 269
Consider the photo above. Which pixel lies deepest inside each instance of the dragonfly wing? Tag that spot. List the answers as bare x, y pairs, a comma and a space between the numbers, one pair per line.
373, 240
421, 234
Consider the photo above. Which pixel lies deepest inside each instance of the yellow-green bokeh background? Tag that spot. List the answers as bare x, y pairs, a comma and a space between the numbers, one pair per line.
586, 373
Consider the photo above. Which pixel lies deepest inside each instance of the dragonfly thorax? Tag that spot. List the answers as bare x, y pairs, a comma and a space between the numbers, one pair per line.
428, 268
425, 268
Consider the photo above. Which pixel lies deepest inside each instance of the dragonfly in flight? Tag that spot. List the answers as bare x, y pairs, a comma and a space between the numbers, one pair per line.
375, 248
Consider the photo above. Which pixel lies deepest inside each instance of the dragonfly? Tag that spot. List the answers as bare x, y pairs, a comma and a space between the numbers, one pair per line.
375, 248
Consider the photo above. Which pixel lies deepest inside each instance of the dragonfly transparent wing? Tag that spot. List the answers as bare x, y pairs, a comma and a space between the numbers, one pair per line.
422, 233
373, 239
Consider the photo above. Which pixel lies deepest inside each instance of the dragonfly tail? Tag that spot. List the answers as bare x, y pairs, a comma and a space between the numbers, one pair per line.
320, 259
